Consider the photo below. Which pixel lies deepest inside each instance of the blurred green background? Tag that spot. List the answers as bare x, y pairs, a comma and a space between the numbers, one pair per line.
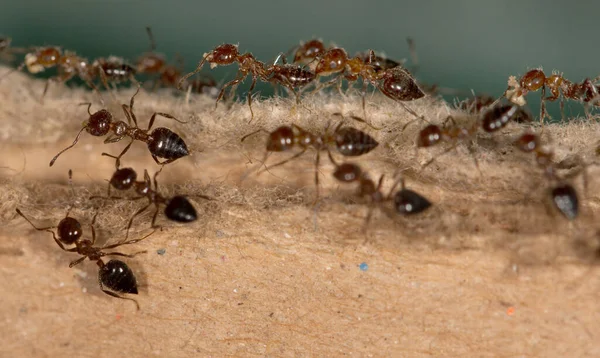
463, 44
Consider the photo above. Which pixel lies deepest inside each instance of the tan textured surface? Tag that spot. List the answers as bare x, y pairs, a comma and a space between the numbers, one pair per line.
264, 273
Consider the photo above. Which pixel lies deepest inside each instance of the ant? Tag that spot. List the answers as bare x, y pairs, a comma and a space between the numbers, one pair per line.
68, 64
490, 121
177, 208
348, 141
161, 142
115, 274
228, 54
406, 201
586, 91
396, 83
155, 63
290, 75
114, 70
564, 196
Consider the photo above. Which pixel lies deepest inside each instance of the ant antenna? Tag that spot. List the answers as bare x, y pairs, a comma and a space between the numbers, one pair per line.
69, 147
151, 37
184, 78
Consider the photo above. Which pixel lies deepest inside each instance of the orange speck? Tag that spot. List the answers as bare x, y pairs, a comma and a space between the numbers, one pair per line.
118, 317
510, 311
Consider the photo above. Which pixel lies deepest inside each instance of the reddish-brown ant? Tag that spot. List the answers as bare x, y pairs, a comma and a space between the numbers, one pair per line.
114, 70
162, 142
177, 208
406, 201
490, 121
228, 54
564, 196
153, 63
396, 83
587, 91
348, 141
291, 76
115, 274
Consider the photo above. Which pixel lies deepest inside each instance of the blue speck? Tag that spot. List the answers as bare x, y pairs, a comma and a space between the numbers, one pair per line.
363, 266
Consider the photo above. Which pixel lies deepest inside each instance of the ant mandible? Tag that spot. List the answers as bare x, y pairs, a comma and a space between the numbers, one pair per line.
177, 208
115, 274
161, 142
228, 54
348, 141
406, 201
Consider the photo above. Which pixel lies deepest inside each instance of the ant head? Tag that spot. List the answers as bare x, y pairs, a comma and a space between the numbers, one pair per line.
533, 80
123, 179
309, 51
69, 230
332, 61
281, 139
399, 85
430, 135
181, 210
223, 55
347, 172
99, 123
408, 202
117, 276
48, 56
565, 200
527, 142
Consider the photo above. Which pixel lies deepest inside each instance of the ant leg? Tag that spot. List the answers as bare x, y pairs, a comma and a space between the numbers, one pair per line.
141, 210
253, 133
153, 222
112, 139
434, 158
118, 158
104, 81
285, 161
164, 162
77, 262
129, 242
234, 82
198, 68
166, 115
250, 96
110, 293
363, 95
131, 101
124, 255
331, 158
317, 161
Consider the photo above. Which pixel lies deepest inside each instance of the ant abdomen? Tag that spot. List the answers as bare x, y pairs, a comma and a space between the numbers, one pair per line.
347, 172
429, 136
167, 144
281, 139
498, 117
180, 209
408, 202
399, 85
69, 230
527, 142
565, 200
352, 142
123, 178
293, 75
117, 276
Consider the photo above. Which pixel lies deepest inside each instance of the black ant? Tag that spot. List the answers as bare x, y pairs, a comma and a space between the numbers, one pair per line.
564, 196
115, 274
177, 208
586, 91
490, 121
348, 141
228, 54
162, 142
406, 201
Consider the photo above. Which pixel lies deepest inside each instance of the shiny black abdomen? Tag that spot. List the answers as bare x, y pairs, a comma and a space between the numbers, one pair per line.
352, 142
164, 143
181, 210
117, 276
